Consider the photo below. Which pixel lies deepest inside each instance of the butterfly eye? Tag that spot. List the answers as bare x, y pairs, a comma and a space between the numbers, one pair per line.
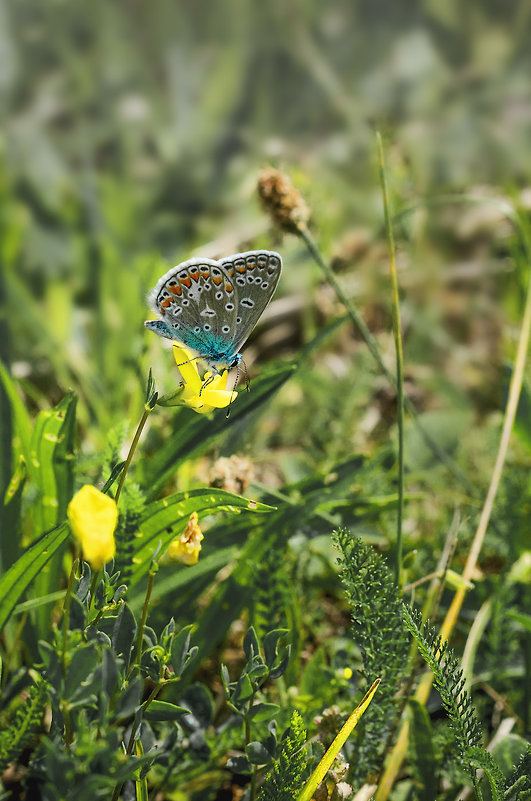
219, 295
265, 285
185, 302
229, 307
240, 281
247, 302
197, 329
225, 329
238, 320
207, 327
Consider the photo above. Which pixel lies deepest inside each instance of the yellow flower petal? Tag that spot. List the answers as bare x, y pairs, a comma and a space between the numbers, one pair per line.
185, 549
93, 517
187, 365
201, 396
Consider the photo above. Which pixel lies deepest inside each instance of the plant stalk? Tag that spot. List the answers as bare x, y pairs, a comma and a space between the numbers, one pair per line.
398, 753
140, 636
397, 333
132, 449
371, 343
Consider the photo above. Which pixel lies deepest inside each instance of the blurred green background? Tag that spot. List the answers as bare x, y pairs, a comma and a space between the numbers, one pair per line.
132, 136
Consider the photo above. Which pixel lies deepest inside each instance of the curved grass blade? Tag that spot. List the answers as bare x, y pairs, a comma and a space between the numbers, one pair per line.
320, 772
163, 520
20, 575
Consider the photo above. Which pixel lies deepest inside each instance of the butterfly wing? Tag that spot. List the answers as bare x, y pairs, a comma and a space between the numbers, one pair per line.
255, 274
197, 300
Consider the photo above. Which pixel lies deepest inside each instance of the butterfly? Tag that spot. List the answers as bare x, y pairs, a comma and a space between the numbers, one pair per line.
212, 306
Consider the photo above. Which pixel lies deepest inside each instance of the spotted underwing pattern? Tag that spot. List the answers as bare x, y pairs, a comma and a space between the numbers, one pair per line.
212, 306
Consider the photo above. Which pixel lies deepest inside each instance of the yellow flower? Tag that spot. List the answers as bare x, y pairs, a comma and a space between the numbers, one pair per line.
203, 396
93, 517
186, 548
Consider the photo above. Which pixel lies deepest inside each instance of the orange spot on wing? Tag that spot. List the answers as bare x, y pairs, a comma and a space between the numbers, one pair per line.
228, 288
241, 269
205, 274
166, 302
195, 276
251, 265
186, 281
230, 272
217, 279
177, 290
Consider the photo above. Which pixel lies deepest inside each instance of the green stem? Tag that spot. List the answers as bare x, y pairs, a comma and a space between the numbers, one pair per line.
371, 343
252, 789
397, 333
66, 611
92, 590
140, 636
131, 741
132, 449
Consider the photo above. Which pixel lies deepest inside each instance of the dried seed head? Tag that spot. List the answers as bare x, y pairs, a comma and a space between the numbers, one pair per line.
282, 201
232, 474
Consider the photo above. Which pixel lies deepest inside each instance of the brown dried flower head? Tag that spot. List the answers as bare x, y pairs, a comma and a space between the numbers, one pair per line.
233, 474
282, 201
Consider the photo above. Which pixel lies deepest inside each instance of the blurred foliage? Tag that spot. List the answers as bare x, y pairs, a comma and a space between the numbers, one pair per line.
132, 136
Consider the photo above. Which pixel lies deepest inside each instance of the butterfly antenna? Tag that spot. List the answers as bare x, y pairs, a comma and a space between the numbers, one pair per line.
247, 382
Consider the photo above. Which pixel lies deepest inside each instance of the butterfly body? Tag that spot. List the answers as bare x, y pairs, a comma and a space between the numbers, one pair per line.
212, 306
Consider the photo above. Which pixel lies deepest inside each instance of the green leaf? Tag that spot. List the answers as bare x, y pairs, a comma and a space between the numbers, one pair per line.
179, 650
6, 448
83, 663
251, 646
20, 575
123, 634
243, 691
51, 470
282, 666
270, 643
51, 461
27, 721
162, 710
199, 702
10, 516
261, 712
129, 699
21, 421
163, 520
422, 754
257, 753
239, 764
109, 672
